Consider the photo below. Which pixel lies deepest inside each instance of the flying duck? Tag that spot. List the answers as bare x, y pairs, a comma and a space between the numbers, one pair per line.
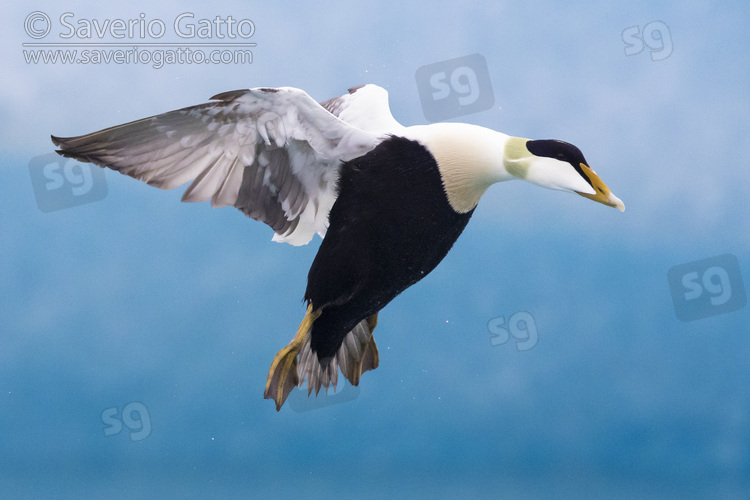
389, 201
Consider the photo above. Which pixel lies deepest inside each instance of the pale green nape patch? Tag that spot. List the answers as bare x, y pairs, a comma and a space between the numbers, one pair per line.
514, 154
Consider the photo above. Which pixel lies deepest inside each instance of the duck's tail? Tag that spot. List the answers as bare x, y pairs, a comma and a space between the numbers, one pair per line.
357, 354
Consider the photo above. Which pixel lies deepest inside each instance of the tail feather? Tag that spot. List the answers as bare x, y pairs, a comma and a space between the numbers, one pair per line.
357, 354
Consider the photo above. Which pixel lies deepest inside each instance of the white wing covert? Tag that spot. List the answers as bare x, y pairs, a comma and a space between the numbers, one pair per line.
365, 107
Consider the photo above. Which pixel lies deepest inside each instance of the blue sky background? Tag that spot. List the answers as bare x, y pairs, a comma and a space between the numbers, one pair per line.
139, 298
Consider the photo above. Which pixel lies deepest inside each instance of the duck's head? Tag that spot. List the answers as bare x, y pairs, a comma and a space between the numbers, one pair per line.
558, 165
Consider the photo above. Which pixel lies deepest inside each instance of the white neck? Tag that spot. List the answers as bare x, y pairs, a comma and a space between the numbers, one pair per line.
470, 159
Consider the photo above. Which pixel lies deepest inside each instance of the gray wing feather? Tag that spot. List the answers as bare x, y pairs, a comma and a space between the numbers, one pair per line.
272, 153
337, 104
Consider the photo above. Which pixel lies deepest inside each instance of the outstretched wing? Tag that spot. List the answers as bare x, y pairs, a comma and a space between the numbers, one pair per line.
272, 153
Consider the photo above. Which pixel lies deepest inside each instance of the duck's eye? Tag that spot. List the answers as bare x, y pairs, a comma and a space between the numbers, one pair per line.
560, 156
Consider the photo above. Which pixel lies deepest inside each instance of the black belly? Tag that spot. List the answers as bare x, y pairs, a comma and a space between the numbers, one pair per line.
389, 227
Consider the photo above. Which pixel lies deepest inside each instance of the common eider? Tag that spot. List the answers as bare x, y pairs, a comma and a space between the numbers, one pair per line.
389, 201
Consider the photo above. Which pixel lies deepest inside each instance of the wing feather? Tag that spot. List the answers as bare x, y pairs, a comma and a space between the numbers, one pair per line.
272, 153
365, 107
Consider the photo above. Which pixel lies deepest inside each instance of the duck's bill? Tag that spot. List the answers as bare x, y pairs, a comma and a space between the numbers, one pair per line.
601, 194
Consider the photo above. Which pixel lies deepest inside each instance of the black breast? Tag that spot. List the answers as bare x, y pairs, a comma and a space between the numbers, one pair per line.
389, 227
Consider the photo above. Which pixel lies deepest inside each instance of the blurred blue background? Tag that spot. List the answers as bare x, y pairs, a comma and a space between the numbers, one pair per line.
175, 311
